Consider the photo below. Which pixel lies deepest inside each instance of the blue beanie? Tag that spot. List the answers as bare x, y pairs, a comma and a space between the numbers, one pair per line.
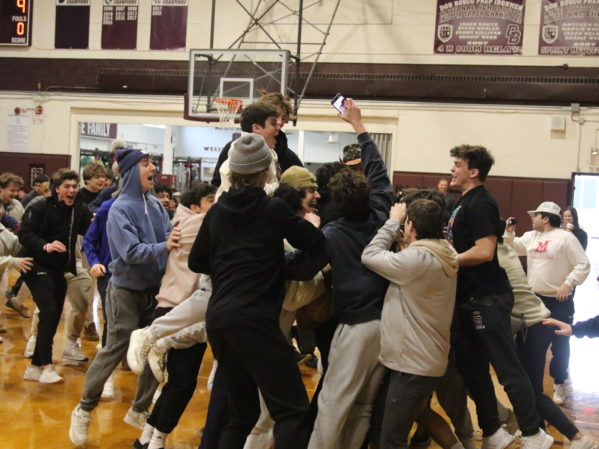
127, 158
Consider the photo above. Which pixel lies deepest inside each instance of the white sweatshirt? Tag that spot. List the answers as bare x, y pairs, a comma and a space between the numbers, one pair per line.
553, 258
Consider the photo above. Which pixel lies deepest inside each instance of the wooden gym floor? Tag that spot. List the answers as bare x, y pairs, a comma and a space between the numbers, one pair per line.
33, 415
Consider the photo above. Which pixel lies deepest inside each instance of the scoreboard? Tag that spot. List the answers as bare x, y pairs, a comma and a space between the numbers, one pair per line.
15, 22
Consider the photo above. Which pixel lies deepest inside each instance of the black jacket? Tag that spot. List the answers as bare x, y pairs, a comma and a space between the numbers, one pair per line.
358, 292
287, 158
240, 244
51, 220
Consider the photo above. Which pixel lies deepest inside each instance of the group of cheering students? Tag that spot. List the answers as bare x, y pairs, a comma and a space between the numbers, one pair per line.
399, 309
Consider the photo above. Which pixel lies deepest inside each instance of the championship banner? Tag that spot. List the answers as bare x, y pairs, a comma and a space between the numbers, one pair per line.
569, 28
169, 24
72, 24
479, 27
119, 24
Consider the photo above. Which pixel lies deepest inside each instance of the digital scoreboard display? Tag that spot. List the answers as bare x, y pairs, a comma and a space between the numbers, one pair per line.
15, 22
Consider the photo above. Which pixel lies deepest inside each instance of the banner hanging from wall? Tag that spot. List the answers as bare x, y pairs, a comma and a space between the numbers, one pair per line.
119, 24
569, 28
169, 24
479, 27
72, 24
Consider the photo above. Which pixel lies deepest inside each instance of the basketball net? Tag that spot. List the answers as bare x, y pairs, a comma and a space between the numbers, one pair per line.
227, 109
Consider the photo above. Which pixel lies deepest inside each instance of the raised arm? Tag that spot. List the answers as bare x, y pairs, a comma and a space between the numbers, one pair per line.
372, 162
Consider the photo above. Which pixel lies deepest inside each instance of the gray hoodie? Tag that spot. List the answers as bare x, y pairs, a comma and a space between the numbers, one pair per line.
418, 307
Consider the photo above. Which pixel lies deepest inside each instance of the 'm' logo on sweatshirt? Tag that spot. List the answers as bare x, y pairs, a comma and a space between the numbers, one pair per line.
542, 246
477, 319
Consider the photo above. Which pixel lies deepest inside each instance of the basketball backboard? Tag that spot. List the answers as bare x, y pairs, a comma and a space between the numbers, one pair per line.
240, 74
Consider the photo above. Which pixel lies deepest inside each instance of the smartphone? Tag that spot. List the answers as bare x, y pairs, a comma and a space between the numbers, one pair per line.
338, 103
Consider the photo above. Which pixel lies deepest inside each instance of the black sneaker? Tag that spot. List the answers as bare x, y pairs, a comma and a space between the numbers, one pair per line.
138, 445
312, 363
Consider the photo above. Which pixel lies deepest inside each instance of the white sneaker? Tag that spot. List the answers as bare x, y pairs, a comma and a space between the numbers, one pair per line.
559, 394
72, 352
80, 420
499, 440
33, 373
50, 376
28, 353
157, 362
139, 346
136, 419
540, 440
108, 390
584, 443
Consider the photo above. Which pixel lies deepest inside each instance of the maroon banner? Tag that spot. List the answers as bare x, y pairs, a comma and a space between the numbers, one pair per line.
119, 24
569, 27
169, 24
72, 24
95, 129
483, 27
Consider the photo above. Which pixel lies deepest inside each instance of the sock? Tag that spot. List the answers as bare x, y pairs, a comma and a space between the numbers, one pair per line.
158, 440
457, 445
146, 434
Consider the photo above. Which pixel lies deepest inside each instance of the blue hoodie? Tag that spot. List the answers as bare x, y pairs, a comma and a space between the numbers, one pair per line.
137, 228
95, 240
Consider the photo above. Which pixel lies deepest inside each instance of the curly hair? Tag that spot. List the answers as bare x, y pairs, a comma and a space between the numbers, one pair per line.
293, 197
94, 168
325, 173
350, 191
62, 175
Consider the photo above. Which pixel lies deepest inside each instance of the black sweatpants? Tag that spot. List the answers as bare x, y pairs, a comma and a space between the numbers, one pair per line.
532, 344
183, 366
483, 337
217, 416
254, 356
48, 289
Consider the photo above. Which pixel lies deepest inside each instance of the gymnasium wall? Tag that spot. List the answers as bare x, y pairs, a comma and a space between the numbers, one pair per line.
364, 31
368, 31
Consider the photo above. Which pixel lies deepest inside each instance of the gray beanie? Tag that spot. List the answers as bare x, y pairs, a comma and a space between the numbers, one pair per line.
249, 154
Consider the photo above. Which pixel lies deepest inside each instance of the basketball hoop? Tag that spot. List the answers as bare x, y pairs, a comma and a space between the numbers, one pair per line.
227, 109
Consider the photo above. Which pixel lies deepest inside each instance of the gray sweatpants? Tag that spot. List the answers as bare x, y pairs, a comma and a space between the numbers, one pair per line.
349, 388
127, 310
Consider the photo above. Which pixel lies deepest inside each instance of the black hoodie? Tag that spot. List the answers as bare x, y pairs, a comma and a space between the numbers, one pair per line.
240, 244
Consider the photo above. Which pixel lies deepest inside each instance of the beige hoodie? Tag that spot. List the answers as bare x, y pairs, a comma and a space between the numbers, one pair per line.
178, 281
418, 308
